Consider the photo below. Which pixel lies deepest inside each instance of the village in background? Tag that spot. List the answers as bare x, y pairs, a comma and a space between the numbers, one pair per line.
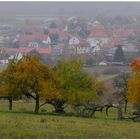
93, 39
69, 70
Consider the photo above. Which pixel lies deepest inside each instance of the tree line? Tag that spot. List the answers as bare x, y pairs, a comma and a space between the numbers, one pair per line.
67, 83
64, 83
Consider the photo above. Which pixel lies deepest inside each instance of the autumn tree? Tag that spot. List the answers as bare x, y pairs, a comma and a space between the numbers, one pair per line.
7, 83
77, 86
134, 84
27, 77
121, 84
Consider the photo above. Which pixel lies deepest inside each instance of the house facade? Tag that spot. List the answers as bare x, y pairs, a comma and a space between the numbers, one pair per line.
35, 39
74, 41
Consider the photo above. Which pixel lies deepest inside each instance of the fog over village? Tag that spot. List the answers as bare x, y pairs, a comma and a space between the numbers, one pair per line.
67, 29
75, 64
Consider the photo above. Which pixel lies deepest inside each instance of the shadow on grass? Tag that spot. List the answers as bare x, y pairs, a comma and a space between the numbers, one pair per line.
45, 113
40, 113
62, 115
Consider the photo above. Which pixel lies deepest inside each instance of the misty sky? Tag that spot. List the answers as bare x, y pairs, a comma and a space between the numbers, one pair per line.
43, 8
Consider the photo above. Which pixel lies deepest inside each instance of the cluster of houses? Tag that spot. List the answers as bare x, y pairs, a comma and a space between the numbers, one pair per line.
72, 40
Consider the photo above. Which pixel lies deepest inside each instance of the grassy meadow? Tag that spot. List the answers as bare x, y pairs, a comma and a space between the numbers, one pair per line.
22, 123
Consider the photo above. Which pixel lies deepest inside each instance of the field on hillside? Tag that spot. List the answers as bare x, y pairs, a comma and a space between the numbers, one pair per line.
98, 71
22, 123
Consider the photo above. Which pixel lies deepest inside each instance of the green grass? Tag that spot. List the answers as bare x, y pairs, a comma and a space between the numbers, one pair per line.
22, 123
106, 77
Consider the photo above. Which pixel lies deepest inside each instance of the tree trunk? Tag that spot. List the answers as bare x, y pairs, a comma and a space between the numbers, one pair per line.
125, 106
10, 103
120, 111
59, 108
58, 105
36, 105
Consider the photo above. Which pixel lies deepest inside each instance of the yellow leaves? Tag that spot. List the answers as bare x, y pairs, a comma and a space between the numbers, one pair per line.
134, 90
24, 76
4, 90
9, 89
49, 91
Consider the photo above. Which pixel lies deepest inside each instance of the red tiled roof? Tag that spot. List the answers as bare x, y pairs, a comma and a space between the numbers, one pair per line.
11, 49
34, 35
98, 27
111, 43
123, 32
44, 50
29, 49
98, 34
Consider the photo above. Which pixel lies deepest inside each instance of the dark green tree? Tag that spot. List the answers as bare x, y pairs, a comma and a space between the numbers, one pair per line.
54, 38
119, 54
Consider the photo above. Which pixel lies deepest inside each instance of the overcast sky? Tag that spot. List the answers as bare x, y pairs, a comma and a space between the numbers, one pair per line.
42, 8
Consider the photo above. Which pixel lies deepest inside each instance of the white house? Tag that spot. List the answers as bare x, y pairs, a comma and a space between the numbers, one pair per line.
93, 42
96, 24
18, 56
58, 50
104, 40
11, 57
95, 49
47, 40
99, 35
83, 50
33, 44
94, 45
74, 41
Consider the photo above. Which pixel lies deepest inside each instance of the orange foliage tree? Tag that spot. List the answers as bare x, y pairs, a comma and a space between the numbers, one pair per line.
27, 77
134, 83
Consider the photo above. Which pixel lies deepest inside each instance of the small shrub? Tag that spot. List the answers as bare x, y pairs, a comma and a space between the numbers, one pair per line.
110, 71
